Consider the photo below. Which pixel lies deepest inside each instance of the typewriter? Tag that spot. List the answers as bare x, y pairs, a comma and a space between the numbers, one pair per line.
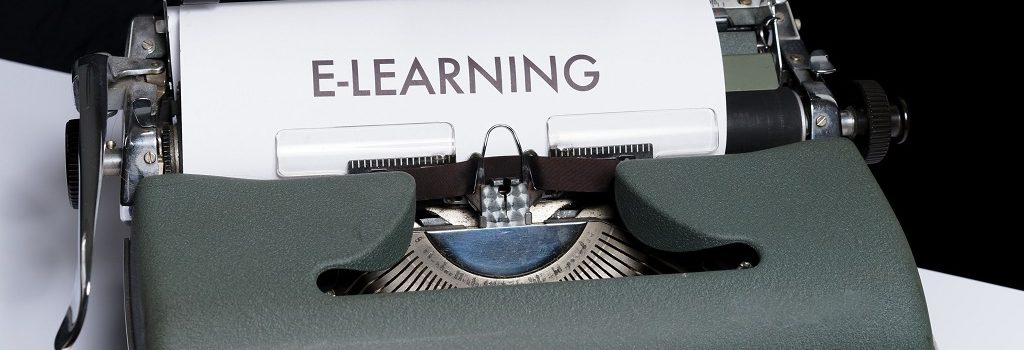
485, 174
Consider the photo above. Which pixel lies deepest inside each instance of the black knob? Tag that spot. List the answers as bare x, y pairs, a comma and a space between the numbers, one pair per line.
875, 118
71, 160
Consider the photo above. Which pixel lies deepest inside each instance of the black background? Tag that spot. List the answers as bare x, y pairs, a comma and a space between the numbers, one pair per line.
949, 184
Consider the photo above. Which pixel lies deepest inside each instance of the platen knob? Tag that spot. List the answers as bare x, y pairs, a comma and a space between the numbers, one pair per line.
71, 160
876, 120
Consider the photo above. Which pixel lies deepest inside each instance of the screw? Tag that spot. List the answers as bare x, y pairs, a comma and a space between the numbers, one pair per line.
148, 45
795, 58
149, 157
154, 64
111, 145
745, 2
821, 121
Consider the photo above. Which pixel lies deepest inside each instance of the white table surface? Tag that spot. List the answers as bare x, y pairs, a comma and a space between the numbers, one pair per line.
38, 238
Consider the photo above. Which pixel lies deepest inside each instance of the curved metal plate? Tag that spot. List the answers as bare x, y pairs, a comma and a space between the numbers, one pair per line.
506, 256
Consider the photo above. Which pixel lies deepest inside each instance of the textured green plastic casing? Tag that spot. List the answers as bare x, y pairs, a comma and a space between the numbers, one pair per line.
231, 264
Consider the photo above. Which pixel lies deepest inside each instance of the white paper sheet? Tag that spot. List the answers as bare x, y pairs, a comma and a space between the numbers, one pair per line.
247, 70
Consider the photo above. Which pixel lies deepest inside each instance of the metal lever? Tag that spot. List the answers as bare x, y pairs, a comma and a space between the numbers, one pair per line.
90, 84
523, 164
504, 201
